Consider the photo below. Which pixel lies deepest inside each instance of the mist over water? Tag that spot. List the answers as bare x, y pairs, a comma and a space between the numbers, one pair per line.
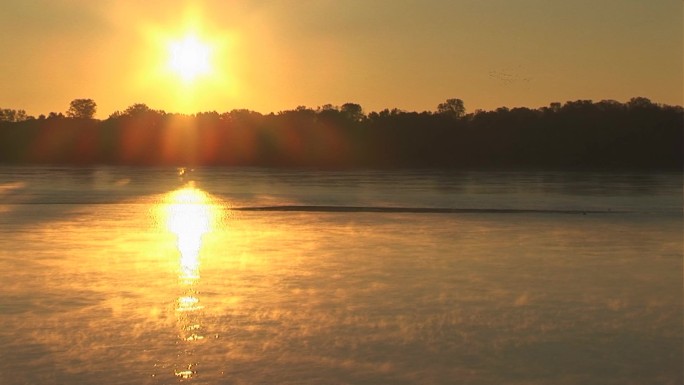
141, 275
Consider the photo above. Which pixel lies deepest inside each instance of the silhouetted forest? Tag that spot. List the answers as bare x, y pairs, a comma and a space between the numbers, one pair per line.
576, 134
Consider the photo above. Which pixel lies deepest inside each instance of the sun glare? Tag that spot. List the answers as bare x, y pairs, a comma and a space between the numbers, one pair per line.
187, 65
190, 58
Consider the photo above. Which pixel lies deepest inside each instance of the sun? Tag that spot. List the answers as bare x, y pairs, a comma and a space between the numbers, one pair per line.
189, 58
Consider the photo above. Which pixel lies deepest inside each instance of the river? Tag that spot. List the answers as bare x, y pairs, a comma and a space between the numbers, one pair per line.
257, 276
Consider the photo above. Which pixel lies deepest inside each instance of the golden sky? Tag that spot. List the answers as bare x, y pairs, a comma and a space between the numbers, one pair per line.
275, 55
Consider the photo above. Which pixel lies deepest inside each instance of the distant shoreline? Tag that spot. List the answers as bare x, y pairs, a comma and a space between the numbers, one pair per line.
491, 168
580, 135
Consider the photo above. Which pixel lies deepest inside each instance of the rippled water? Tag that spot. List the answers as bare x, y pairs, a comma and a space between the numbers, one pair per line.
123, 275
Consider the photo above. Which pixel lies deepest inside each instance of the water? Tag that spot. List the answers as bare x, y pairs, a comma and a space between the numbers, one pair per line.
125, 275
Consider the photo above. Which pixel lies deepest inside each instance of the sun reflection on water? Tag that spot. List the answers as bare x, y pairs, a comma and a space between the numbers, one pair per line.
190, 214
189, 218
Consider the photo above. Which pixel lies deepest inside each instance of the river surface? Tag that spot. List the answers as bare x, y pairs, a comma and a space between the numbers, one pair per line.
255, 276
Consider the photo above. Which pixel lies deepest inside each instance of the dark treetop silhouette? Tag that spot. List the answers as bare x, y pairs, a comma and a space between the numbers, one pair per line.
577, 134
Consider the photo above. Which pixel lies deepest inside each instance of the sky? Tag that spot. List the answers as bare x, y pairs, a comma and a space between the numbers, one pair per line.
269, 56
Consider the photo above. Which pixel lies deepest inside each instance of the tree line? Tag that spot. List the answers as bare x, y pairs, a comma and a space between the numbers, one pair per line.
575, 134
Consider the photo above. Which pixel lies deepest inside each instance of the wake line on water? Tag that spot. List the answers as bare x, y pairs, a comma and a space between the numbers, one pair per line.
350, 209
417, 210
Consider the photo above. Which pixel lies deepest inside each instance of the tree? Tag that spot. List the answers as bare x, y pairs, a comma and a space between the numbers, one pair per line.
452, 107
10, 115
138, 109
115, 115
640, 103
555, 107
82, 108
352, 111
